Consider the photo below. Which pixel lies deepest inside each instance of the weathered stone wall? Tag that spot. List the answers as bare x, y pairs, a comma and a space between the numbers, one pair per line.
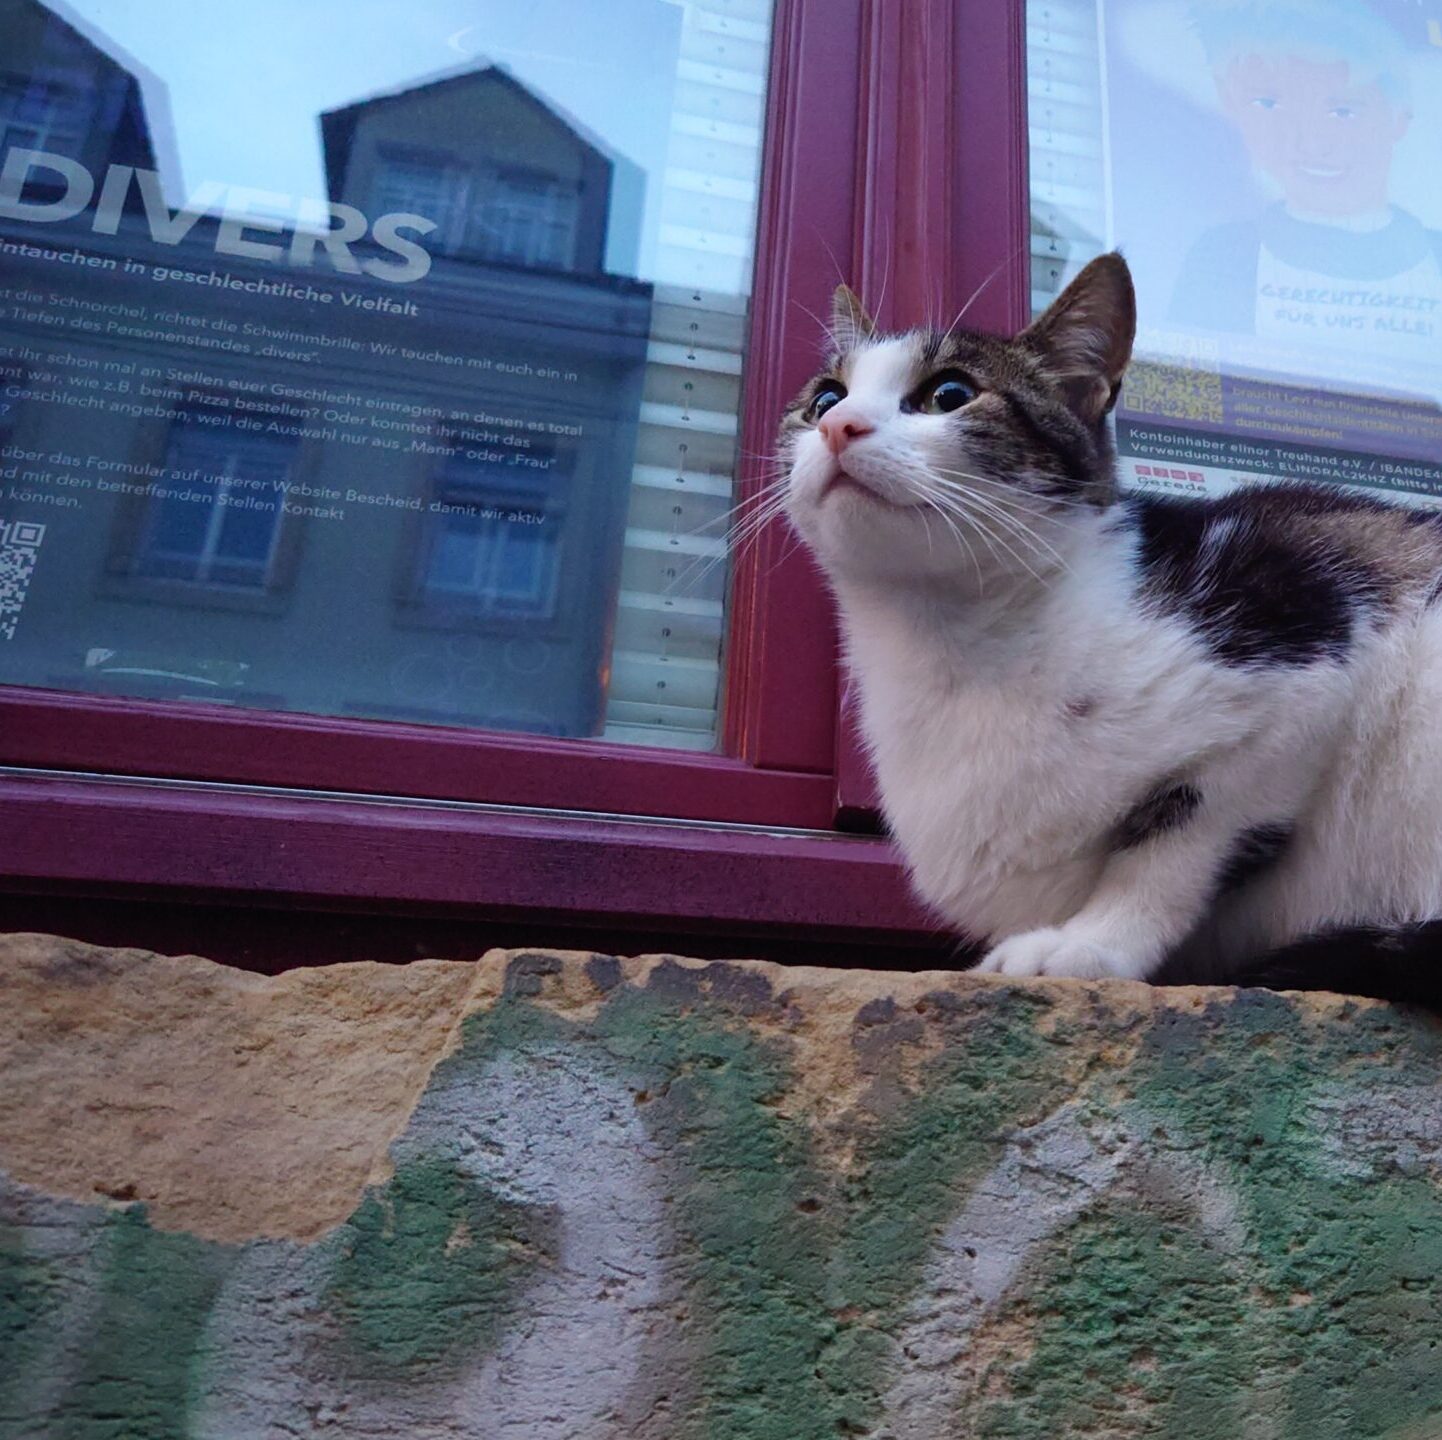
553, 1196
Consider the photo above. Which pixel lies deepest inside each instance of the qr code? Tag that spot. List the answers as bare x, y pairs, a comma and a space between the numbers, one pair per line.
1174, 392
1177, 377
19, 550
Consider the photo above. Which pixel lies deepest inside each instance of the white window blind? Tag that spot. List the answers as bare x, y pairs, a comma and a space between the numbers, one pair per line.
665, 677
1067, 135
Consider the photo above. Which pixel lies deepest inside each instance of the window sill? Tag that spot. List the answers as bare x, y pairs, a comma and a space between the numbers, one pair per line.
116, 837
184, 740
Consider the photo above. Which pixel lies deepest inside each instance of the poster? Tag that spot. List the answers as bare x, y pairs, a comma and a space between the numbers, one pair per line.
323, 332
1271, 173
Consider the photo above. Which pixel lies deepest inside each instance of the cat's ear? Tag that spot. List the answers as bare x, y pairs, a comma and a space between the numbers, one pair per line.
850, 324
1085, 339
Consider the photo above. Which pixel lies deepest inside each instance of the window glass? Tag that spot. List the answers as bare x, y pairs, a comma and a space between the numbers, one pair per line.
1269, 168
377, 360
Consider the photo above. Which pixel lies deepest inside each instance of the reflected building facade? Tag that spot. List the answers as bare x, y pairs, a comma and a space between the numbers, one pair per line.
406, 501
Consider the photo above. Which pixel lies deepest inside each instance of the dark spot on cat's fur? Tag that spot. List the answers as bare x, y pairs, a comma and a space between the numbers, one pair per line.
1081, 707
1168, 807
1246, 571
1252, 852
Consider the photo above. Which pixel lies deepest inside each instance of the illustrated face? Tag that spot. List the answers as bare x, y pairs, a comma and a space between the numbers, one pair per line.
1326, 139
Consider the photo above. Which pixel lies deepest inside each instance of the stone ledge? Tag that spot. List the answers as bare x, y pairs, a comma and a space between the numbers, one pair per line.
572, 1197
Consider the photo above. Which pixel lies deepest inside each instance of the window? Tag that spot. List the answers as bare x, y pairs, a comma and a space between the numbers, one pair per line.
614, 656
221, 526
493, 542
526, 217
514, 216
527, 248
42, 114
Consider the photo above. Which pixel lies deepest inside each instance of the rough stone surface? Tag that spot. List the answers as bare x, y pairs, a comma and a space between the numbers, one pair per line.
569, 1197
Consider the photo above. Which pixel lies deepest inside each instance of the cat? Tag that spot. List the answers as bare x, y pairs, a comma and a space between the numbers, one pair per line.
1167, 739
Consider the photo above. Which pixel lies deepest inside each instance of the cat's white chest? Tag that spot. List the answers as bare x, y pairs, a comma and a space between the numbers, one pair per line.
993, 798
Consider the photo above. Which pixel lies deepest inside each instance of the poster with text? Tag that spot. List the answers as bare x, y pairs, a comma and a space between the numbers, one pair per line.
1273, 178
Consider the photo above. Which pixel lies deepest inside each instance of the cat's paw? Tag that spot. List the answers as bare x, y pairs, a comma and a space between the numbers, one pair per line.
1054, 952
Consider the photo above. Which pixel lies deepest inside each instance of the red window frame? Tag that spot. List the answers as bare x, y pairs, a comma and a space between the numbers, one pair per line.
895, 158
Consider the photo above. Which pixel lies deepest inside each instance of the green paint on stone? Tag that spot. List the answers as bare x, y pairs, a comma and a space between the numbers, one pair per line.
745, 1184
914, 1173
1141, 1331
27, 1296
1320, 1303
758, 1275
157, 1290
428, 1268
796, 1271
1346, 1308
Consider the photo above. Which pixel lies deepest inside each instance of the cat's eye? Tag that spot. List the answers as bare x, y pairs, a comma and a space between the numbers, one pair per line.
827, 394
943, 393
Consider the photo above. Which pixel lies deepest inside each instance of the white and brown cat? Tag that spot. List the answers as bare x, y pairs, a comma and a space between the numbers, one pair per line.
1128, 736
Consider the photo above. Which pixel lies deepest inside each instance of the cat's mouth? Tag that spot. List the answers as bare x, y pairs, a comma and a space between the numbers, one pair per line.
840, 479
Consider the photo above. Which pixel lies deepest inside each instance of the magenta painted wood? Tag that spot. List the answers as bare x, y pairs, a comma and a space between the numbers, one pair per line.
943, 222
194, 843
992, 235
781, 703
58, 730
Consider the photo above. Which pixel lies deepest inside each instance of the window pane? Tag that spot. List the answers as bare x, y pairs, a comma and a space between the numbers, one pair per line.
378, 360
1270, 170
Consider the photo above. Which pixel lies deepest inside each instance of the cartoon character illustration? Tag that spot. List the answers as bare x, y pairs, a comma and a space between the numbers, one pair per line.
1319, 91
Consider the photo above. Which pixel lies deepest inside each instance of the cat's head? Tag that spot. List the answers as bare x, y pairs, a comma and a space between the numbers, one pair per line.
955, 457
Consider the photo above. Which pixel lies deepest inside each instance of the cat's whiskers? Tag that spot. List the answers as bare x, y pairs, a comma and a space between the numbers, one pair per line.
1039, 547
956, 502
1005, 494
752, 515
1008, 488
961, 539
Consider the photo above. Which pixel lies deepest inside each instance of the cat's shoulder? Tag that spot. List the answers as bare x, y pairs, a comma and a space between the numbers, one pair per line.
1290, 518
1280, 573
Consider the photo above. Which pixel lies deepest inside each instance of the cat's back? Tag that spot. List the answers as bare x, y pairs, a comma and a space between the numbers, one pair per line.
1284, 574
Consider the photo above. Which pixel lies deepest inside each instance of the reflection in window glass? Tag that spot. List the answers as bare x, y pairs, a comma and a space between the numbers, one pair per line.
222, 527
494, 542
409, 390
1269, 168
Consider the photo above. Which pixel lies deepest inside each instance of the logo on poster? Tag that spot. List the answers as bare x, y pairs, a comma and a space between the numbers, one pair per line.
316, 226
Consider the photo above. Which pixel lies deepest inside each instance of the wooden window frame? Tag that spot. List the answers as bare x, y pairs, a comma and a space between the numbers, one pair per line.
866, 99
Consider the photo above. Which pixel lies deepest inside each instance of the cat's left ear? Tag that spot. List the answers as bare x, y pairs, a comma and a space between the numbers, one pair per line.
1085, 339
850, 324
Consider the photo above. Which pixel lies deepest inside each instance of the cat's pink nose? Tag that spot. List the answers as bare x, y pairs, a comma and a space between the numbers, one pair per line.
838, 431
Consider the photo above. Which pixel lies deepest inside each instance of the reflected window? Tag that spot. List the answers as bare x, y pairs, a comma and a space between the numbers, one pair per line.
39, 114
493, 547
220, 525
513, 215
526, 218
